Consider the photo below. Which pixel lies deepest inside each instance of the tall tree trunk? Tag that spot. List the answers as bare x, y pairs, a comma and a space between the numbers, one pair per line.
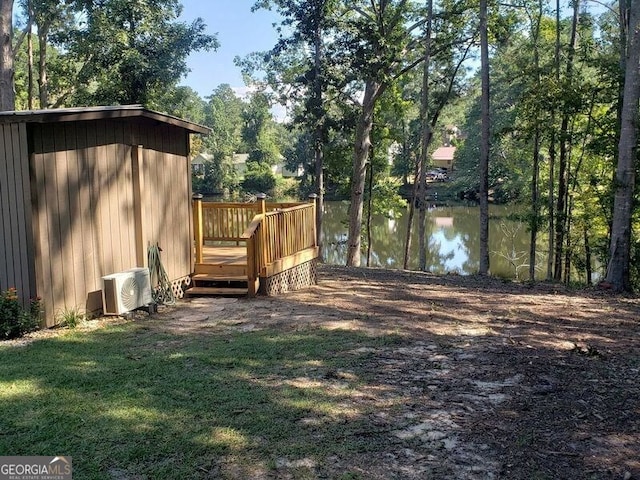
569, 247
425, 141
373, 90
7, 93
535, 202
43, 86
318, 134
551, 199
412, 209
535, 177
30, 60
369, 207
561, 207
484, 142
420, 165
552, 152
618, 269
587, 254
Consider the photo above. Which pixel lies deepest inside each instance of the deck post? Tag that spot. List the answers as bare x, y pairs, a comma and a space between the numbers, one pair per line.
262, 209
197, 225
313, 198
262, 205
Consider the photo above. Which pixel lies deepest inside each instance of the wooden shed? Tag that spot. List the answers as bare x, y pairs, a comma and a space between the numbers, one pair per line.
84, 192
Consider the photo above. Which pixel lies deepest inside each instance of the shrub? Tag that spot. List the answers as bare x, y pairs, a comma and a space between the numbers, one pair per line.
259, 182
15, 321
70, 317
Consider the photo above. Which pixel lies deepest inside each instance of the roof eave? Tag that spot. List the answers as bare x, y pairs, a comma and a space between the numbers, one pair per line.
98, 113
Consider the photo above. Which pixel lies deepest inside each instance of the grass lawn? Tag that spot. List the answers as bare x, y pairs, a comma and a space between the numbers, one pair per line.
372, 374
130, 401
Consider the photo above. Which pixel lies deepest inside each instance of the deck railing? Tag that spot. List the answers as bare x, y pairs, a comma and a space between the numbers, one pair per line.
277, 235
226, 222
288, 232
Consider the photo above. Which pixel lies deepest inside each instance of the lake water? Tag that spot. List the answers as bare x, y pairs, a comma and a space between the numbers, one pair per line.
453, 241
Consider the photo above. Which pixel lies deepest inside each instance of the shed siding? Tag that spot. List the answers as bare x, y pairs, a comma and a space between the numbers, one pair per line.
167, 196
85, 207
16, 261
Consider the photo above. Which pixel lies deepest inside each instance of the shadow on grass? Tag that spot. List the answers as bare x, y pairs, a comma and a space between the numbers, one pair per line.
431, 380
130, 401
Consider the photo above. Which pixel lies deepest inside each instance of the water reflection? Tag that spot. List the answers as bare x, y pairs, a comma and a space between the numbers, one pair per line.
453, 240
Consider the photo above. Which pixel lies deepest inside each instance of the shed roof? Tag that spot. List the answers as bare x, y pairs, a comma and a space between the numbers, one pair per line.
201, 158
97, 113
444, 153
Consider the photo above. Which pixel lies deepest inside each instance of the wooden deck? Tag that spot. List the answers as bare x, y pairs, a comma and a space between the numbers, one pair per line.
225, 255
269, 240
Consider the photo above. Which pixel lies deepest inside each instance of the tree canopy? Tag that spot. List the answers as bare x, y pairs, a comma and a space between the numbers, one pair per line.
371, 88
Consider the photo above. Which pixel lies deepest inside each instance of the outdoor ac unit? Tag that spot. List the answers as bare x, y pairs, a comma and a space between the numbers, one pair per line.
125, 291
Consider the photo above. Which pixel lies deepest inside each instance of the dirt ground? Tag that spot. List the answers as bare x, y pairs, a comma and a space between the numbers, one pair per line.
498, 379
495, 379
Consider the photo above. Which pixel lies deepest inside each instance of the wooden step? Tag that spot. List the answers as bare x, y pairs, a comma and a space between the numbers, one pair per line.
209, 277
216, 291
221, 270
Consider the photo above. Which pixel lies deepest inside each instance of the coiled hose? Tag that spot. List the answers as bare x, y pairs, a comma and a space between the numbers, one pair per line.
162, 293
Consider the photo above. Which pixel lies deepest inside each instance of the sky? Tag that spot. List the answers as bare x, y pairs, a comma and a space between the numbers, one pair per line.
240, 32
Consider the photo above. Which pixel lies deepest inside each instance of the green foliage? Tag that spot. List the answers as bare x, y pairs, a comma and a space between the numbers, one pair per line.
70, 317
15, 321
224, 116
259, 133
181, 102
259, 179
218, 177
115, 51
386, 200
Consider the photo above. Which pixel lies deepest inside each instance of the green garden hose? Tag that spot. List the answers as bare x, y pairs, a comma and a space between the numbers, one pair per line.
162, 290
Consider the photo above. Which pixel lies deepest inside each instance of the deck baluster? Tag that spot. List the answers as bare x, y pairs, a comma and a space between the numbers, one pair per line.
197, 226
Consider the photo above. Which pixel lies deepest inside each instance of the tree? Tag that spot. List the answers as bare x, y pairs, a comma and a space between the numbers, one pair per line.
258, 131
224, 115
535, 22
50, 17
7, 94
182, 102
377, 37
310, 21
259, 140
131, 51
561, 221
621, 233
427, 133
484, 142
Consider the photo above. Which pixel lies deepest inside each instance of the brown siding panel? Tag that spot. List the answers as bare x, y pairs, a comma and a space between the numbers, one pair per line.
168, 198
50, 247
69, 209
29, 246
6, 245
13, 260
18, 206
16, 269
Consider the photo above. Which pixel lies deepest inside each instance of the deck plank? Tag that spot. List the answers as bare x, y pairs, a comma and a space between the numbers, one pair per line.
224, 255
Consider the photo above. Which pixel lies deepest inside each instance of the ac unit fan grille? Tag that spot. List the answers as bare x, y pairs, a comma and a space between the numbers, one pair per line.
131, 293
126, 291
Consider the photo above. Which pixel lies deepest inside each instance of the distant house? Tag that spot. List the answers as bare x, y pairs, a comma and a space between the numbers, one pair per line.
84, 192
442, 157
281, 169
240, 166
239, 161
197, 164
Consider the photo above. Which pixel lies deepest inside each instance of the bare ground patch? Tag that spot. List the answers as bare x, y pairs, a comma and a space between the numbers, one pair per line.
468, 377
480, 378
